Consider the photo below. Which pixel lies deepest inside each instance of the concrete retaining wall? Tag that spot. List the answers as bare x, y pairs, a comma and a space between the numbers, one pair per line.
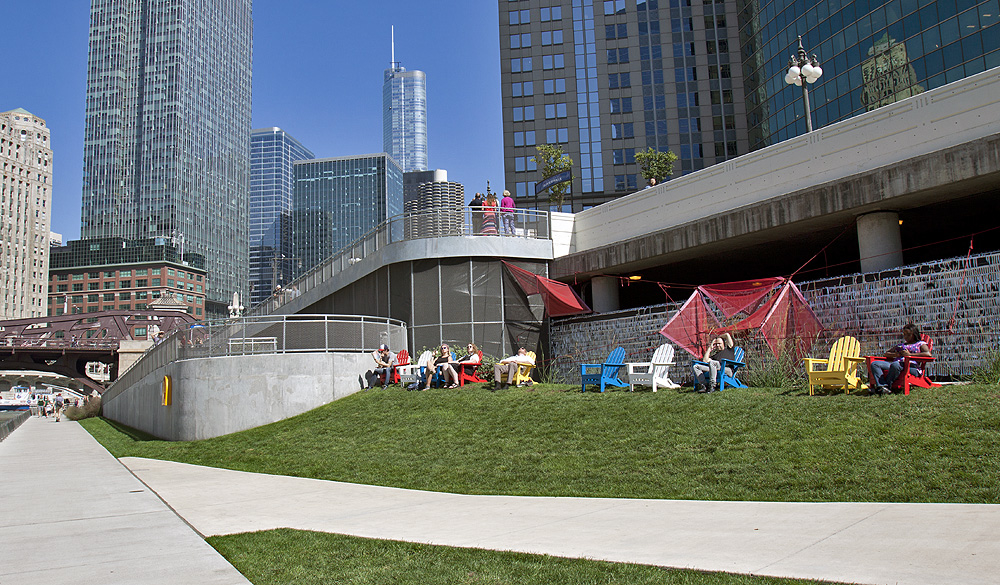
222, 395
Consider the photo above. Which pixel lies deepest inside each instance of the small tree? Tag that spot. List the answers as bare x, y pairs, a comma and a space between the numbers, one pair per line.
553, 161
655, 164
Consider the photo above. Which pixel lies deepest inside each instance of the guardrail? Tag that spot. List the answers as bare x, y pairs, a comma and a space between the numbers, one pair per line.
269, 334
7, 426
520, 223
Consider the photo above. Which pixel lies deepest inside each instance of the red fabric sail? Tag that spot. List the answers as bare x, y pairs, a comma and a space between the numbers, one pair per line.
784, 317
734, 297
559, 298
689, 326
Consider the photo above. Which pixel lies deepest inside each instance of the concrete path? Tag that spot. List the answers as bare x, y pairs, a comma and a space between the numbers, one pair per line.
863, 543
73, 514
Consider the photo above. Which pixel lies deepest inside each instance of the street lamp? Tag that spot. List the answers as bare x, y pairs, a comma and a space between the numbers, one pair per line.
236, 309
802, 71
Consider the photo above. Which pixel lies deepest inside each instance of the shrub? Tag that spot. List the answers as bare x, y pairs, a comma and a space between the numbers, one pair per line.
987, 372
90, 408
765, 371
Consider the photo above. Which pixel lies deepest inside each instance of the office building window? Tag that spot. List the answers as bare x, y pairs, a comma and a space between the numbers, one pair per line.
552, 37
554, 13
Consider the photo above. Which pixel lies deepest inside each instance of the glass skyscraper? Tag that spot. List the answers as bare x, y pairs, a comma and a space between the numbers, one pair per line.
404, 117
872, 53
272, 152
167, 139
337, 200
606, 79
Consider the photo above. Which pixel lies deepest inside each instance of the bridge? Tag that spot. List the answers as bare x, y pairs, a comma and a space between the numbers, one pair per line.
65, 344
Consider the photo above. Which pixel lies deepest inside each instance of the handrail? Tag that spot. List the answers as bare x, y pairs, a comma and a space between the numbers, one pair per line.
414, 225
268, 334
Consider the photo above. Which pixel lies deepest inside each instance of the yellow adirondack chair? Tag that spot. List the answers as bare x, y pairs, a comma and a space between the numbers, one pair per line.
840, 370
523, 375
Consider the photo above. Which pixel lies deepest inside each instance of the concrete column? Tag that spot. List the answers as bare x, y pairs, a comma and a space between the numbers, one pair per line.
605, 291
129, 352
879, 241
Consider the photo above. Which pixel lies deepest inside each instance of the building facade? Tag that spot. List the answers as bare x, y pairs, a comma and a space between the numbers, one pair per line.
167, 138
606, 79
404, 117
272, 152
337, 200
25, 204
872, 53
108, 274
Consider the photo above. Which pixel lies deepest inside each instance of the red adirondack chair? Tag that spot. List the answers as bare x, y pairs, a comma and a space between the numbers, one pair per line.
906, 379
468, 373
402, 359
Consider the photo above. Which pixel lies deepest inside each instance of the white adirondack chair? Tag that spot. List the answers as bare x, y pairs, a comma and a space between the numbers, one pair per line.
412, 373
653, 373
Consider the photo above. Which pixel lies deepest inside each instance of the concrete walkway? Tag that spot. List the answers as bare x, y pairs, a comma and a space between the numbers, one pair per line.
81, 517
73, 514
863, 543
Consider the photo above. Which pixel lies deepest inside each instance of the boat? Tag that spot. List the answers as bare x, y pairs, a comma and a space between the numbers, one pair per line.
18, 398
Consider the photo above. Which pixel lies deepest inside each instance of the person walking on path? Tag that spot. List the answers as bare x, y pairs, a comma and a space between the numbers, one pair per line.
507, 207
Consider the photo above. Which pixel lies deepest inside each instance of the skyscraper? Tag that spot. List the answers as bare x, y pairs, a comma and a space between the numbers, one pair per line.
167, 140
404, 116
272, 152
872, 54
607, 79
337, 200
25, 202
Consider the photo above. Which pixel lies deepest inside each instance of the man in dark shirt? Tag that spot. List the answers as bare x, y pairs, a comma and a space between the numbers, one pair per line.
477, 213
706, 375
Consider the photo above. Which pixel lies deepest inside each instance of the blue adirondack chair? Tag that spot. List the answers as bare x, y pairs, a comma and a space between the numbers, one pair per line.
605, 374
438, 377
722, 379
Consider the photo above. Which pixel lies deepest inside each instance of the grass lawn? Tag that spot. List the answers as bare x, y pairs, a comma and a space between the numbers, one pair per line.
286, 556
936, 445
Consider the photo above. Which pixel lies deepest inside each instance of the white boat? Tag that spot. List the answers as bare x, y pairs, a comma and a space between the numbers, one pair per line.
18, 398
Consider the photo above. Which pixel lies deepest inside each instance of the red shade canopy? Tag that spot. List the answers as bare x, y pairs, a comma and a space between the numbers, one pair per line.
559, 298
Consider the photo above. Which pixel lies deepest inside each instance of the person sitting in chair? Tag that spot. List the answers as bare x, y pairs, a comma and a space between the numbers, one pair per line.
706, 375
883, 373
445, 362
471, 360
509, 367
384, 360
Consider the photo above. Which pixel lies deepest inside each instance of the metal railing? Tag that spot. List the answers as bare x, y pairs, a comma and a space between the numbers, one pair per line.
8, 425
269, 334
520, 223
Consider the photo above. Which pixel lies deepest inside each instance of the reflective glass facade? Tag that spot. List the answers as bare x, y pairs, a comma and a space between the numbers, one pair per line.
404, 117
604, 79
272, 152
337, 200
167, 139
872, 53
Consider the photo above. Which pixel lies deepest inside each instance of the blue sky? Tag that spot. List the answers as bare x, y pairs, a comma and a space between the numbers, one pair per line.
317, 74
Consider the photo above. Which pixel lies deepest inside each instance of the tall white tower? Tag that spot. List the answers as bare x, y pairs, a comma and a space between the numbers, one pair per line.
404, 115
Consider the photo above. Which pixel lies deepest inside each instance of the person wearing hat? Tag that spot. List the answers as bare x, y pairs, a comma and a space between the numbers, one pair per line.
384, 361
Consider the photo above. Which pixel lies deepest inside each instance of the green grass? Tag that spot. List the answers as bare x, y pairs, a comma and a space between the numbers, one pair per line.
936, 445
286, 556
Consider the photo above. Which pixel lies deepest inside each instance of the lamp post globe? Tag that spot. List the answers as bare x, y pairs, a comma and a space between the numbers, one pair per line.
803, 71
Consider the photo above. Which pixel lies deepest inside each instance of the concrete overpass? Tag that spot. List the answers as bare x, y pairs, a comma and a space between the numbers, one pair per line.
932, 160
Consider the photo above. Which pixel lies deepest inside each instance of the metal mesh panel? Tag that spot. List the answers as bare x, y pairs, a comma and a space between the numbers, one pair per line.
400, 305
486, 291
456, 304
426, 299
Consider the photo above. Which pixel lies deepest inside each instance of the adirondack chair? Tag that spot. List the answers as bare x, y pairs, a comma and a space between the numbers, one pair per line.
402, 359
468, 373
722, 379
906, 379
605, 374
414, 373
655, 372
437, 378
840, 370
523, 374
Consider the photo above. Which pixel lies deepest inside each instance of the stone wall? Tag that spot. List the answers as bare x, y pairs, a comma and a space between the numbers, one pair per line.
956, 301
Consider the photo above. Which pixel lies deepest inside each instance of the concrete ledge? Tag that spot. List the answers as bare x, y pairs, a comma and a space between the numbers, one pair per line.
222, 395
